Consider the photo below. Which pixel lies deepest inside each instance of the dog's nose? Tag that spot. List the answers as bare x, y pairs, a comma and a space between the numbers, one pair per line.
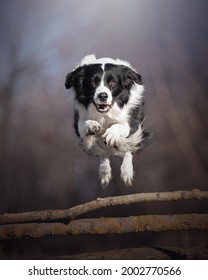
103, 96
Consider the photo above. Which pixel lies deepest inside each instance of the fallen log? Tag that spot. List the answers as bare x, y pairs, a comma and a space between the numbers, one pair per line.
154, 223
143, 253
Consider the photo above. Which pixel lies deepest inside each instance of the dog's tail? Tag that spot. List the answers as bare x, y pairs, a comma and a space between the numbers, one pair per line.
136, 141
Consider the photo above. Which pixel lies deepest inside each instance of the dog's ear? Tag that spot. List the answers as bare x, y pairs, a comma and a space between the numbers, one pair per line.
75, 78
69, 80
135, 77
130, 77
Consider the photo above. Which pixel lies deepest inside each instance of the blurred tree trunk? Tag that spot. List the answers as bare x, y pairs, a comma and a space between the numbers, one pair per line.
7, 94
6, 100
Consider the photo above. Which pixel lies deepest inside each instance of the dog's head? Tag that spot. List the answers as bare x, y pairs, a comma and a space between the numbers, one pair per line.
102, 82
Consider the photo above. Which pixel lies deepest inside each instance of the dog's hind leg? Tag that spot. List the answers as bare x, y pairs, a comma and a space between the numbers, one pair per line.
127, 172
105, 171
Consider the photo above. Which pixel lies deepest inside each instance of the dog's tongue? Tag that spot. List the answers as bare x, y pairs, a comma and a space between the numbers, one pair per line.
103, 107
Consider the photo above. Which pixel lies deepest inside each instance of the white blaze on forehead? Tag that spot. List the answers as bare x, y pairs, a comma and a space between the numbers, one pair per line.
102, 88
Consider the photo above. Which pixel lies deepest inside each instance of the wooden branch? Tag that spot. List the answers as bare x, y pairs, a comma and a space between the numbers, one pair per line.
154, 223
71, 213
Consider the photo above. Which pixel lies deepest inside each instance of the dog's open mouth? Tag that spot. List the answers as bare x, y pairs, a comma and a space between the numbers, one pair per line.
103, 108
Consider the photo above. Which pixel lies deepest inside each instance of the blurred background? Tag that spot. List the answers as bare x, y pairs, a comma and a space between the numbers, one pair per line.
41, 164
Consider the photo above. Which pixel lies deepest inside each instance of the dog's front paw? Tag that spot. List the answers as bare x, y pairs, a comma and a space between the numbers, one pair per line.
111, 137
92, 127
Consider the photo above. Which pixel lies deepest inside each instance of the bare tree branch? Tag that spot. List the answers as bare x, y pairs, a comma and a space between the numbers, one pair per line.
71, 213
153, 223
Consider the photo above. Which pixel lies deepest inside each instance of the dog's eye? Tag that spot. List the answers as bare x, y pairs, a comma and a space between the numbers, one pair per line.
112, 82
92, 82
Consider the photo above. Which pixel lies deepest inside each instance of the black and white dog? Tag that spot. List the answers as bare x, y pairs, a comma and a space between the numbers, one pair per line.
109, 115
